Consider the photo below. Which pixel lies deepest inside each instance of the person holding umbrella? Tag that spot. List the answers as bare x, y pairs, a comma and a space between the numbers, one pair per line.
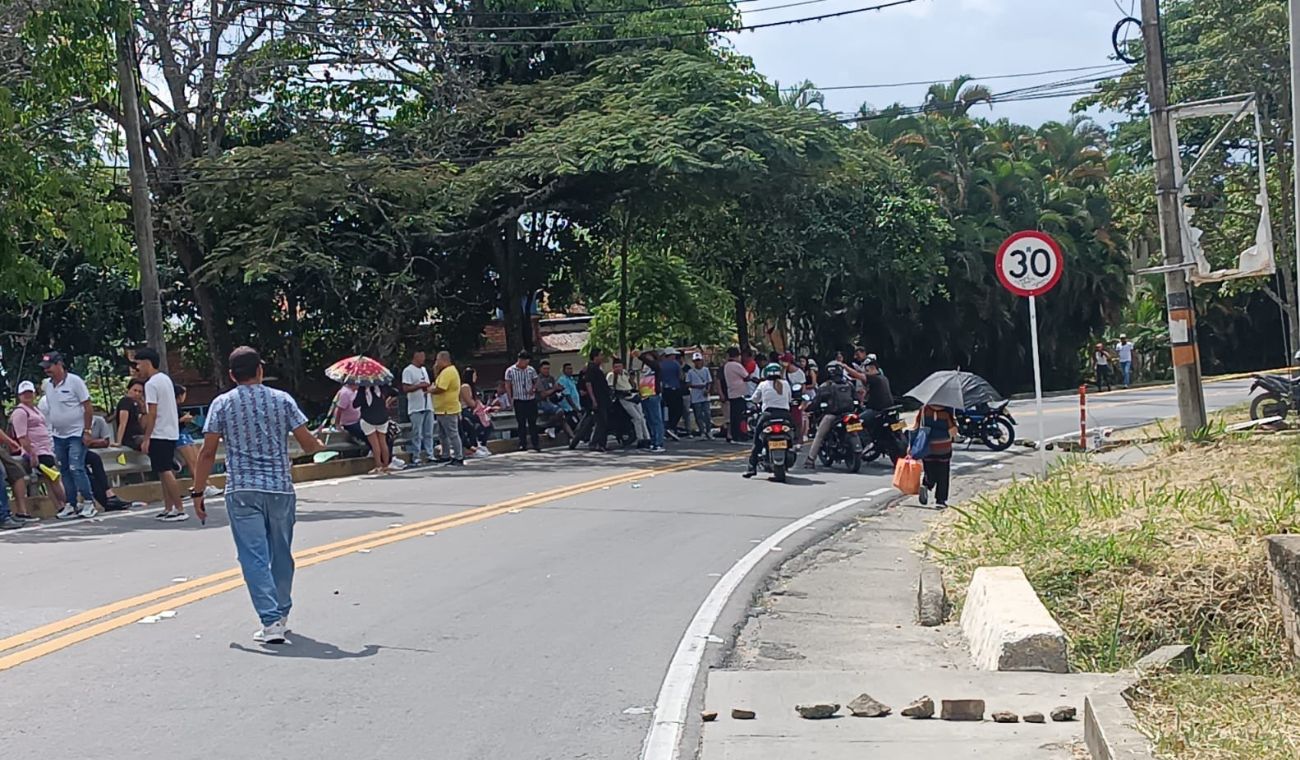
374, 383
940, 394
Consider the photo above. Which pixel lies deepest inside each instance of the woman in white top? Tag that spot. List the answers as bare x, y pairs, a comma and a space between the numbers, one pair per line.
773, 399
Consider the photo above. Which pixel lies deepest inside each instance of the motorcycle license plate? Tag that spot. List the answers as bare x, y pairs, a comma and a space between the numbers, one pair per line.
777, 445
855, 427
898, 426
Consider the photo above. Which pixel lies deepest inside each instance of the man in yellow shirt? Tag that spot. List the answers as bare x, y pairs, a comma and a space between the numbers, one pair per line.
446, 408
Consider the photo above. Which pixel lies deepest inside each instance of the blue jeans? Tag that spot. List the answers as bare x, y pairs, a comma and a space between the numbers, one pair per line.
4, 499
703, 417
262, 524
653, 407
1127, 369
421, 434
72, 463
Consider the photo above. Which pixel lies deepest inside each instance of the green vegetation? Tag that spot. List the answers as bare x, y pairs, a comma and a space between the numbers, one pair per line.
1192, 717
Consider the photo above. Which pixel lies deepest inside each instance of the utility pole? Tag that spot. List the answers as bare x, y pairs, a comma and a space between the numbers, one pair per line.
141, 204
1182, 317
1295, 150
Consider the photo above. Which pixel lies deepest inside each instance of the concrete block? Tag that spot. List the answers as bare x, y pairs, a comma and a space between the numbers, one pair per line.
1284, 566
1007, 626
961, 709
931, 597
1174, 657
1110, 730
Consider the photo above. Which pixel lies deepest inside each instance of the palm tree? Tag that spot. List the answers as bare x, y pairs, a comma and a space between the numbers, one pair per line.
957, 97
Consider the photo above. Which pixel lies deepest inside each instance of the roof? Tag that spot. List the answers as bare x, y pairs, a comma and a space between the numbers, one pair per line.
565, 342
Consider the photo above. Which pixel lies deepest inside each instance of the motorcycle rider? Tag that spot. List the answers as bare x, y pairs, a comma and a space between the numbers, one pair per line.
837, 392
773, 399
879, 395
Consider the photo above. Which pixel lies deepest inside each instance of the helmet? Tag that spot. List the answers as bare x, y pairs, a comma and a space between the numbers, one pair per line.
773, 371
835, 371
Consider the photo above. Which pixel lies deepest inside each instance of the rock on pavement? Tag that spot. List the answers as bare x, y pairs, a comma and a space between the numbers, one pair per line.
921, 708
866, 706
817, 711
962, 709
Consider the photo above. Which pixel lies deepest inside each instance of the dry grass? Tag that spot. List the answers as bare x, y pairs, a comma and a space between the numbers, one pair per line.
1131, 558
1193, 717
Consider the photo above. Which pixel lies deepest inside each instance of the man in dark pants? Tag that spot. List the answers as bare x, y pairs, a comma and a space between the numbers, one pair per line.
521, 384
599, 397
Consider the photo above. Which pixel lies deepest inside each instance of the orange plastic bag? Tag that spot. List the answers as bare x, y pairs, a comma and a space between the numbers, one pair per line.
907, 476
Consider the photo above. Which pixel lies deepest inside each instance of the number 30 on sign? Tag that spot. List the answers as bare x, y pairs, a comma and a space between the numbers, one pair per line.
1030, 263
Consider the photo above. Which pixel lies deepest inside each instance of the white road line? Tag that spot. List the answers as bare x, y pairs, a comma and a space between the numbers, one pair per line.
679, 682
879, 491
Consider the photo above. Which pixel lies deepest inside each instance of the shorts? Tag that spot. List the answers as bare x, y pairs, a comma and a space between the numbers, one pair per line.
368, 429
185, 439
162, 456
14, 470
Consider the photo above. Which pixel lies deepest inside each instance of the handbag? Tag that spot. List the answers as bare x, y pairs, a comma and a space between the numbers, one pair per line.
920, 442
907, 476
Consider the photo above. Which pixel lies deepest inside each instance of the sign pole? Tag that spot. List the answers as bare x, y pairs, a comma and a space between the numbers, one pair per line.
1038, 384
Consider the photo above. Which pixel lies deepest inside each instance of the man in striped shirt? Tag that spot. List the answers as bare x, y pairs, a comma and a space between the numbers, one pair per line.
521, 385
256, 421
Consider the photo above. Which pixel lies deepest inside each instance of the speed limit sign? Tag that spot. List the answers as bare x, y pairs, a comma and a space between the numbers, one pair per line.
1030, 263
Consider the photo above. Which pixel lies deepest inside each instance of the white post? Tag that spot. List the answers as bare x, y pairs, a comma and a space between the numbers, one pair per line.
1038, 385
1295, 151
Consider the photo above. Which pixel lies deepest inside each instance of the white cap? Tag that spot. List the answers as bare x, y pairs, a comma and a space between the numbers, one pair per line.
697, 356
26, 386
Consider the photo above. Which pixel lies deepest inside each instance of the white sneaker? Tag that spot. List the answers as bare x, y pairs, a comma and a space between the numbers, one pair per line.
271, 634
673, 435
482, 451
211, 492
87, 509
550, 433
67, 513
175, 517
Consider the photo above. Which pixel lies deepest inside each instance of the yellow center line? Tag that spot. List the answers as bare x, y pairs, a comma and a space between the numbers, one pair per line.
208, 586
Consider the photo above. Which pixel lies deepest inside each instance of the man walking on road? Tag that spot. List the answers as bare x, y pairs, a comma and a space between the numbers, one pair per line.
162, 428
255, 421
521, 385
446, 408
415, 384
68, 412
1124, 350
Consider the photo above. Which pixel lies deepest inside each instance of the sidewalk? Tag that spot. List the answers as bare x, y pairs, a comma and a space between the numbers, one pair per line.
840, 620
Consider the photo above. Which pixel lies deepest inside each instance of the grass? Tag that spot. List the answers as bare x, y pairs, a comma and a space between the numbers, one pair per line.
1208, 718
1129, 558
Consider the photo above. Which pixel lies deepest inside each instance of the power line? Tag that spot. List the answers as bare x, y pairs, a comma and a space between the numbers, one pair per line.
939, 80
496, 43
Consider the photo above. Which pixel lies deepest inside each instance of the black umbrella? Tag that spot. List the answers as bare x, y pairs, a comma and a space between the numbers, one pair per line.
977, 390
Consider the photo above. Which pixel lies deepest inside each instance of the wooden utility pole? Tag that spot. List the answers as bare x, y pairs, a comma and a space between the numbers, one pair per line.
1178, 294
141, 204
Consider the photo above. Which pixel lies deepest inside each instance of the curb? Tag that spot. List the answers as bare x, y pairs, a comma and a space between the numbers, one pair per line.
1110, 729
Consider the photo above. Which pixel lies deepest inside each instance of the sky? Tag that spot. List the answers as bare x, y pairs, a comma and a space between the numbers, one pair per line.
934, 40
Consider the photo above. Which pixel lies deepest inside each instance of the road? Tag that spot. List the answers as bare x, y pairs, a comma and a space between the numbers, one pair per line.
526, 607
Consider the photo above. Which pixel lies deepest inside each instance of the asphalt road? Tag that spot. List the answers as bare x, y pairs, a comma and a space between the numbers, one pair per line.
540, 627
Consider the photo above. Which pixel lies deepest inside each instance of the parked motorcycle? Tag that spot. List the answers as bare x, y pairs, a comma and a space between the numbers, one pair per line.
993, 425
844, 442
1281, 395
885, 435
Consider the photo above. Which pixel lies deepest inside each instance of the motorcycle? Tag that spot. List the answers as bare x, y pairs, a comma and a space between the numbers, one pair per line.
886, 435
778, 451
992, 425
844, 442
1281, 395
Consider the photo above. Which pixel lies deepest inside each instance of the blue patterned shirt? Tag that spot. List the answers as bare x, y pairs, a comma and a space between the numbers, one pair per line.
255, 421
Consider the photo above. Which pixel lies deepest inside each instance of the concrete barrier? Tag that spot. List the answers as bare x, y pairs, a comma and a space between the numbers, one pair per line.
1007, 627
1284, 566
1110, 730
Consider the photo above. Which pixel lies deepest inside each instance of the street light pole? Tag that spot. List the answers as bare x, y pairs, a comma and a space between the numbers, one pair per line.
1182, 318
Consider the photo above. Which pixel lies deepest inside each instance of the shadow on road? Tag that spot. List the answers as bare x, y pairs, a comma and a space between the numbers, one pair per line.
305, 647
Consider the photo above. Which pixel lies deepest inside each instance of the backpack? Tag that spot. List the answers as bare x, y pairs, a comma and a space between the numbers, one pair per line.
839, 400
